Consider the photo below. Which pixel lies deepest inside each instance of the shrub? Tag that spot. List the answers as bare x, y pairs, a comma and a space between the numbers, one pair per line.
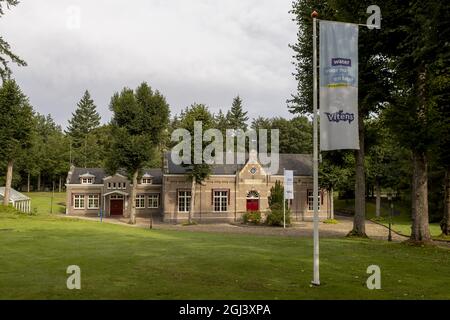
275, 217
276, 194
252, 217
330, 221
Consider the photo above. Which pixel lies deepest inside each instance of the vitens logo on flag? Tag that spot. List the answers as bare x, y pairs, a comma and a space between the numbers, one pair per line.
338, 86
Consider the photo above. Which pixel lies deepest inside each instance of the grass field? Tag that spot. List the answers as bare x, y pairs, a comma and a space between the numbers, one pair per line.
120, 262
41, 202
400, 223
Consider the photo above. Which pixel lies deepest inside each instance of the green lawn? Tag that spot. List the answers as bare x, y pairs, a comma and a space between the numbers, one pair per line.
41, 202
400, 223
120, 262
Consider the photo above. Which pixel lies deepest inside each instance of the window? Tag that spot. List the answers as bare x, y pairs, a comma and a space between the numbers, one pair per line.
78, 201
109, 185
114, 185
153, 200
146, 181
124, 185
93, 201
184, 201
220, 201
116, 196
311, 199
87, 180
140, 201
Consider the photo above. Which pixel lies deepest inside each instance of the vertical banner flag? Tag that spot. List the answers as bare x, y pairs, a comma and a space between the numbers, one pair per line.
288, 184
338, 86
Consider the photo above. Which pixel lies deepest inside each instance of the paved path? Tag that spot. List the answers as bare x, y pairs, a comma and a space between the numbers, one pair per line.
298, 229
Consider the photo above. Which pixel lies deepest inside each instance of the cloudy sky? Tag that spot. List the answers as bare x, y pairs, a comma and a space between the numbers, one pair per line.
204, 51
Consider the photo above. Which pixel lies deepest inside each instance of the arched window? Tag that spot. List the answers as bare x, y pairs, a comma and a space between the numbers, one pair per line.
253, 195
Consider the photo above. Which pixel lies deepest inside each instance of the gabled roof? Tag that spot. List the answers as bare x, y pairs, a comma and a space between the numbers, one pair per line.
14, 195
87, 175
301, 164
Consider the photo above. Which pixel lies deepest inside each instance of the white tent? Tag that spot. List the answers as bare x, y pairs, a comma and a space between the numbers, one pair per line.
19, 201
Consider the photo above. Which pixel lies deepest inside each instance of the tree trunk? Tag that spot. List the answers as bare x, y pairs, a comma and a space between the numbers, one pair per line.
39, 182
445, 224
420, 231
378, 198
359, 220
28, 182
9, 174
191, 209
133, 199
332, 203
60, 185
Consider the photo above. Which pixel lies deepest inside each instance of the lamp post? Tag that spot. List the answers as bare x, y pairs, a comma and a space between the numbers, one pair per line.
390, 215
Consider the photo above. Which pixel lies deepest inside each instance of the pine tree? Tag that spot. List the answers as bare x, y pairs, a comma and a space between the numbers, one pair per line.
16, 128
5, 50
237, 117
84, 120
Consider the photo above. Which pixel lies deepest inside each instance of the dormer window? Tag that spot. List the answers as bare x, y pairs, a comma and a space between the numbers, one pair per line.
146, 179
87, 181
87, 178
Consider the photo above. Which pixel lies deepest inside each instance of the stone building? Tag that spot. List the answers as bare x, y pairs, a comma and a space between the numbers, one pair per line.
229, 192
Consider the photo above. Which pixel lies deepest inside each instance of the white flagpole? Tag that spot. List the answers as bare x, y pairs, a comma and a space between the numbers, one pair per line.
316, 280
284, 200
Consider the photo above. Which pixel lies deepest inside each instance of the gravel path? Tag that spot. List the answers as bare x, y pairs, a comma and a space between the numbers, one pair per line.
298, 229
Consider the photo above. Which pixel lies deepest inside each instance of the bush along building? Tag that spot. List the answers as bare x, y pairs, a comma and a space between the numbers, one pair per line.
225, 196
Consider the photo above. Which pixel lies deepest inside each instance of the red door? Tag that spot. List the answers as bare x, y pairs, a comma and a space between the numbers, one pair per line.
252, 204
116, 207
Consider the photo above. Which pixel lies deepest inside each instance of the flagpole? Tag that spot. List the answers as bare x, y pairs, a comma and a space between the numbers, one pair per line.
284, 199
316, 280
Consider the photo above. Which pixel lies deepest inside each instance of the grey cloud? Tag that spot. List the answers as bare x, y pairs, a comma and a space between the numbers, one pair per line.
192, 51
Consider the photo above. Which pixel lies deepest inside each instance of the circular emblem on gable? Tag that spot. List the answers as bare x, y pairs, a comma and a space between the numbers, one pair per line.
253, 170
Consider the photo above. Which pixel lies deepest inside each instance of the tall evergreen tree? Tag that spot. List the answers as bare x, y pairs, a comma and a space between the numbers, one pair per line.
5, 49
84, 120
237, 117
140, 118
16, 128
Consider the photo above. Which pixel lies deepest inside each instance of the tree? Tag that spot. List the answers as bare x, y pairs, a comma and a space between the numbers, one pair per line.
414, 115
84, 120
48, 158
276, 195
16, 128
295, 135
198, 172
221, 122
334, 172
140, 118
5, 49
237, 117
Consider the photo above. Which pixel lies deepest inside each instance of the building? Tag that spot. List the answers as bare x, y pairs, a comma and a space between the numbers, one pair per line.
18, 200
229, 192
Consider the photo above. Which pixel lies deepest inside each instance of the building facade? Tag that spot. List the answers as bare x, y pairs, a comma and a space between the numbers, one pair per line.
228, 193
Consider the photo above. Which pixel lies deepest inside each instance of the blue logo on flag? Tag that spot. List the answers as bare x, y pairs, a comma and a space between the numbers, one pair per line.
340, 116
341, 62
